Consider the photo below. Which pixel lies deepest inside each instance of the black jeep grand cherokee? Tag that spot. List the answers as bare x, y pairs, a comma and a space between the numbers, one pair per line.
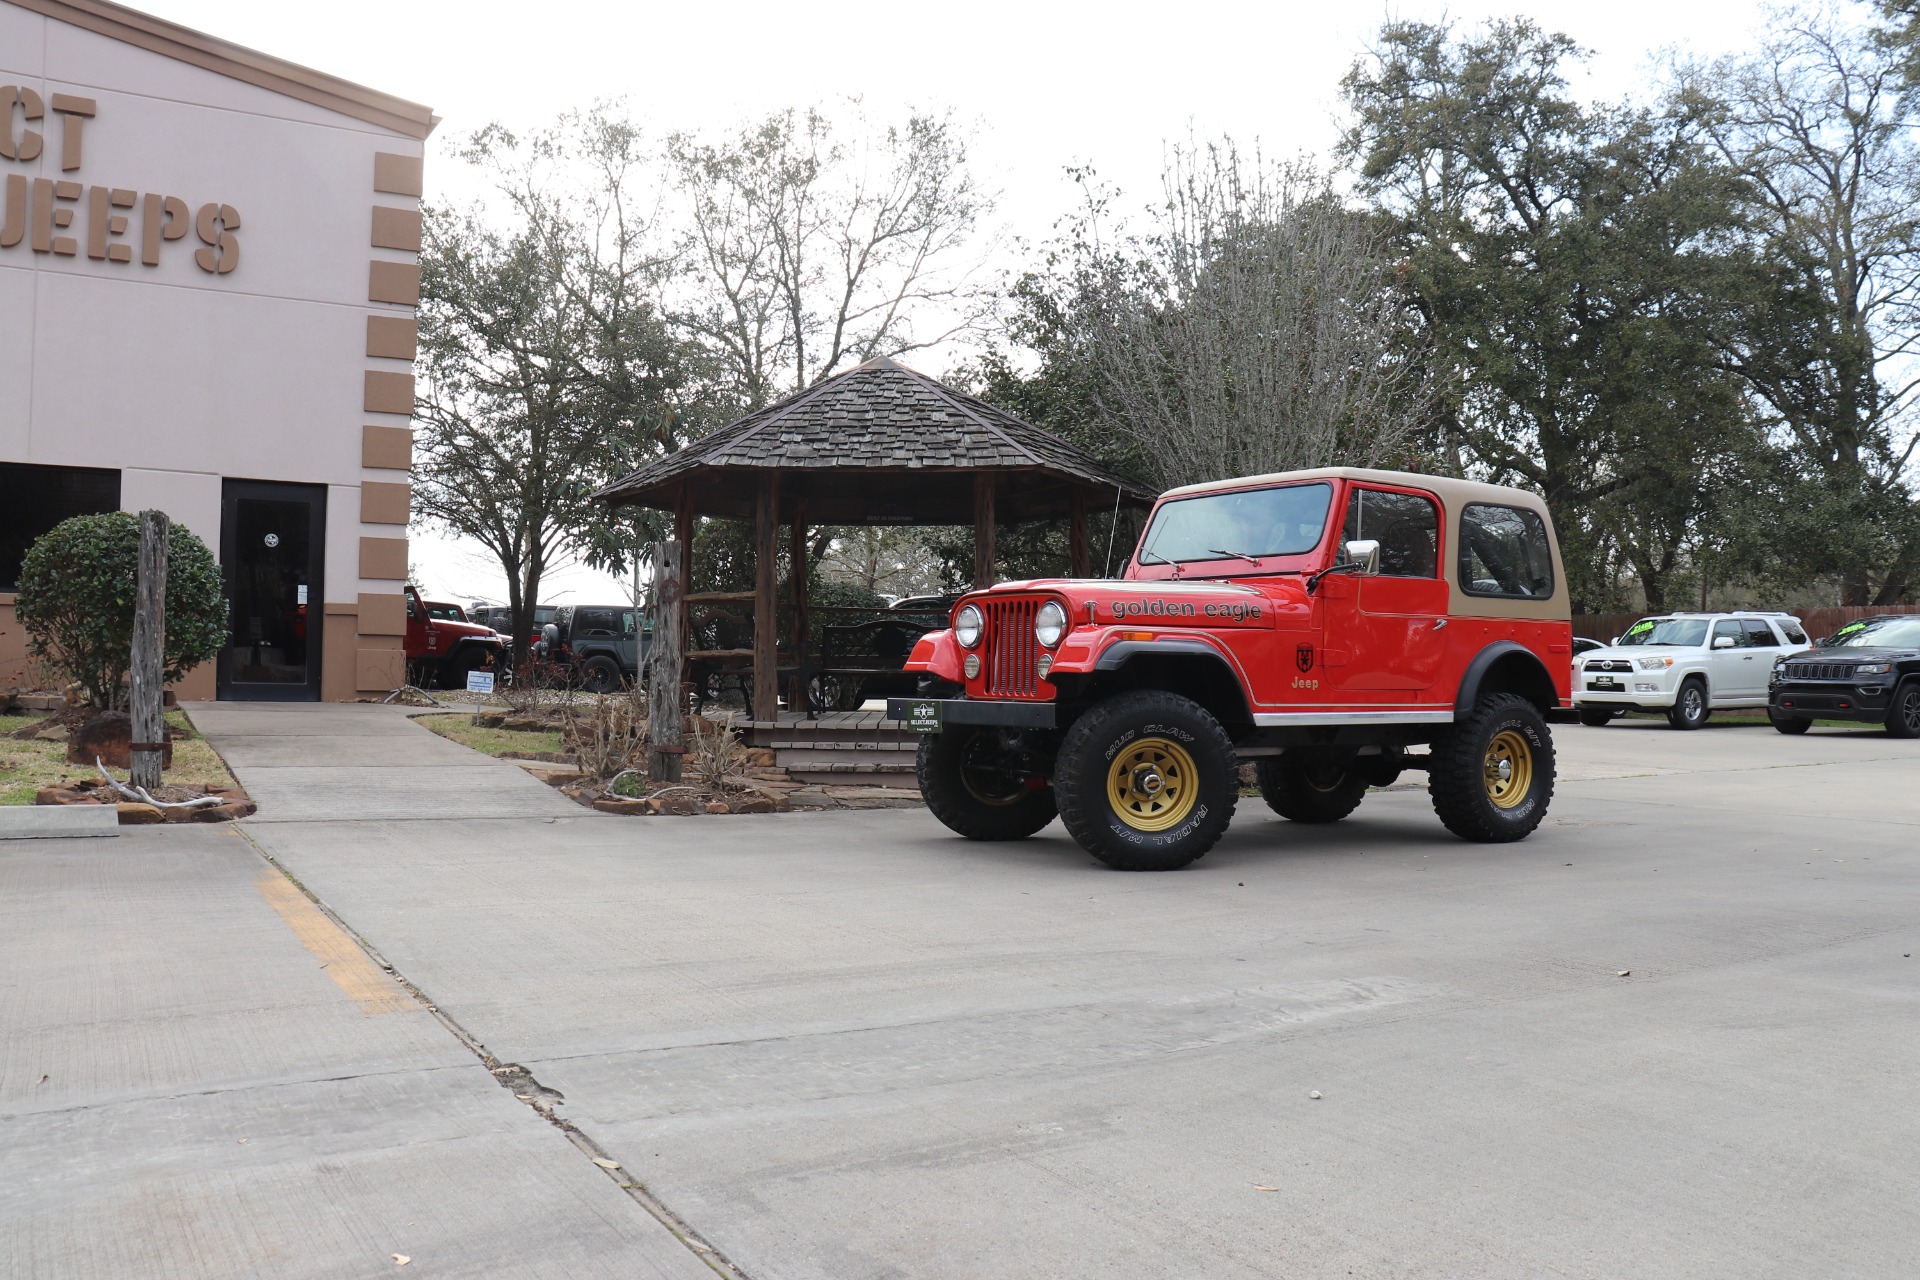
1870, 672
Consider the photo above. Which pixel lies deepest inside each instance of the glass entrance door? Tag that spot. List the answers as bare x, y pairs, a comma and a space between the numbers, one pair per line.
271, 542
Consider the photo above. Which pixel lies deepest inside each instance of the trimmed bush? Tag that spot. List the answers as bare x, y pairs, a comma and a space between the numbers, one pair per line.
76, 602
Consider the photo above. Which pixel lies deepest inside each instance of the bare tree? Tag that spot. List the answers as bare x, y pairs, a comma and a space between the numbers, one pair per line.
810, 248
1254, 327
1818, 124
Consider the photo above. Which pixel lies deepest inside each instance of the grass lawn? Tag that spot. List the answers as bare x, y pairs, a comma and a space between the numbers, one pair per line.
25, 767
494, 742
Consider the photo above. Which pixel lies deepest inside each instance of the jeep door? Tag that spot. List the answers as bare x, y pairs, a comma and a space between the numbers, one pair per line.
1390, 631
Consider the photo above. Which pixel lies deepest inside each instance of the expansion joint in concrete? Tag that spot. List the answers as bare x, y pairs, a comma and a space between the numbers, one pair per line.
524, 1087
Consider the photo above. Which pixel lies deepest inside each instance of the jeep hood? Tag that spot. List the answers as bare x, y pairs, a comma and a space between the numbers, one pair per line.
1163, 604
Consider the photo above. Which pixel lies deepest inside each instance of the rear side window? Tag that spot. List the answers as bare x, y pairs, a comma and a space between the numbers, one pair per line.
1404, 524
594, 622
1793, 633
1504, 552
1760, 635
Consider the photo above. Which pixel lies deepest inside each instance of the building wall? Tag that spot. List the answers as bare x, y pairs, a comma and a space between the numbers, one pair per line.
280, 368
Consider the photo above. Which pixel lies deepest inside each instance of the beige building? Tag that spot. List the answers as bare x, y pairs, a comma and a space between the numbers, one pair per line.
208, 272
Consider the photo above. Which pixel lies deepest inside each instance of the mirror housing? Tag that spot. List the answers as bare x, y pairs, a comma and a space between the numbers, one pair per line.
1364, 553
1614, 643
1723, 642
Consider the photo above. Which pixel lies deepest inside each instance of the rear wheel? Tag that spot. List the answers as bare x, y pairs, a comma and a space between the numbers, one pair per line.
1596, 717
970, 783
1690, 709
1309, 789
601, 674
1903, 717
1491, 777
1146, 781
1788, 724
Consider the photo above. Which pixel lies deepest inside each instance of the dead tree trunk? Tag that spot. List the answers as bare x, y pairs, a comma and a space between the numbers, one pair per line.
149, 653
666, 747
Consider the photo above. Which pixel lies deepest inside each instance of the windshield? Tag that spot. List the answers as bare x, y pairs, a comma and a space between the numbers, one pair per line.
1888, 633
1673, 631
1247, 525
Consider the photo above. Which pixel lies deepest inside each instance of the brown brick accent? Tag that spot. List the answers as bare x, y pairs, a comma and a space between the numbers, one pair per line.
394, 282
338, 645
378, 669
397, 175
383, 615
386, 448
384, 558
393, 337
389, 392
384, 501
396, 228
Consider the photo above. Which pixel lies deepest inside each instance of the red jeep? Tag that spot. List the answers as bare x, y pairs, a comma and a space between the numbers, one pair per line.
1315, 623
442, 646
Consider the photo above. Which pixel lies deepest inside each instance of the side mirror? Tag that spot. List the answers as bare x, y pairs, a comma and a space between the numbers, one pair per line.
1614, 642
1366, 554
1724, 642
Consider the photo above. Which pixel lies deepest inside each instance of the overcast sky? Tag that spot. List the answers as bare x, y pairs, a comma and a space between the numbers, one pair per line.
1044, 85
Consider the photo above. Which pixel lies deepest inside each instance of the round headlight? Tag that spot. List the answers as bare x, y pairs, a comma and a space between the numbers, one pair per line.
1049, 624
967, 626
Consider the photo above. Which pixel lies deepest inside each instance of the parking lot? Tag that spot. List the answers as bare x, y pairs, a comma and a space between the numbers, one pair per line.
1672, 1034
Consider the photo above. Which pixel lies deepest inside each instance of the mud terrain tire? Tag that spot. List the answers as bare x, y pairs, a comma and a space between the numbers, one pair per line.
977, 807
1491, 777
1309, 790
1146, 781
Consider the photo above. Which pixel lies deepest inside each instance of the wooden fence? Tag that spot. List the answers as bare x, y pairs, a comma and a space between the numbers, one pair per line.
1818, 622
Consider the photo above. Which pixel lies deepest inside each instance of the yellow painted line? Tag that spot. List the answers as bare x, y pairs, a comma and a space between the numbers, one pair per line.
364, 981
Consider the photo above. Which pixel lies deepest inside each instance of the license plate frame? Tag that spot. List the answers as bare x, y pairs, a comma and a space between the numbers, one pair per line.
924, 715
1605, 684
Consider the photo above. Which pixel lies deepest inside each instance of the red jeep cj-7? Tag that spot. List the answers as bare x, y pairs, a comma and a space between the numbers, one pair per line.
1316, 623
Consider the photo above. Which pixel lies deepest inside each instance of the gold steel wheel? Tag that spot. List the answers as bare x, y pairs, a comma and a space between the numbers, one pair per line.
1153, 784
1508, 769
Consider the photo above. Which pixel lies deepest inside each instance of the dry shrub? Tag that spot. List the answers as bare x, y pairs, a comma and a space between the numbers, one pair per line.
605, 734
716, 758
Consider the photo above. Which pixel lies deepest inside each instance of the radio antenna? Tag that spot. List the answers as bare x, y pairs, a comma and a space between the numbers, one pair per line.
1113, 527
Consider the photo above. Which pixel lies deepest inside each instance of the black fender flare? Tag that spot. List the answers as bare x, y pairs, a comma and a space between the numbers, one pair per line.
1115, 657
1484, 661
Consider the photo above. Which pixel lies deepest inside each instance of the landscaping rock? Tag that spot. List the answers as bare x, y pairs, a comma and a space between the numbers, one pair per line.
679, 805
754, 804
108, 737
135, 814
718, 806
629, 807
761, 757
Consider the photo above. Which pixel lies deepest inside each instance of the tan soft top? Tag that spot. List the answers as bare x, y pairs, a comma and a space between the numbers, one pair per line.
1453, 494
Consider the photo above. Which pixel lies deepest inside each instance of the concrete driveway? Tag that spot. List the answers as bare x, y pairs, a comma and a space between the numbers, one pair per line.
847, 1045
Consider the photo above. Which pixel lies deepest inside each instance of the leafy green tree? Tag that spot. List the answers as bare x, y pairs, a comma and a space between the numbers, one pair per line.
1570, 265
76, 602
550, 363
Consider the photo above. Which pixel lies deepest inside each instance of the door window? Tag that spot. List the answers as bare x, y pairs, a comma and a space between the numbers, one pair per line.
1728, 628
270, 589
1504, 551
1759, 634
1406, 525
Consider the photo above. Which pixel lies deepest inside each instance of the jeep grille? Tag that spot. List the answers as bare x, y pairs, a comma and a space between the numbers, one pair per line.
1012, 649
1819, 671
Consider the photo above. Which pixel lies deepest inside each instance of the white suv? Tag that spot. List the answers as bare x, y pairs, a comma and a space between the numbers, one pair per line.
1685, 664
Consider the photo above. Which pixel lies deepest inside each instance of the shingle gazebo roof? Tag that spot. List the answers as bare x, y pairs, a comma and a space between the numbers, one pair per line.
879, 444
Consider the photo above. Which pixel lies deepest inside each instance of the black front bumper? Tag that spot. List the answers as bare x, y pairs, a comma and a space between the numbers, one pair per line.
1011, 715
1827, 701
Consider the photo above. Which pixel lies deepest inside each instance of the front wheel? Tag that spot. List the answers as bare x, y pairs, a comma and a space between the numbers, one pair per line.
1309, 790
972, 785
1595, 717
1689, 709
1903, 717
1788, 724
601, 675
1492, 774
1146, 781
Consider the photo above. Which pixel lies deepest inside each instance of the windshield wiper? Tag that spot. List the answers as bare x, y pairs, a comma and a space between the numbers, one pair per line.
1234, 555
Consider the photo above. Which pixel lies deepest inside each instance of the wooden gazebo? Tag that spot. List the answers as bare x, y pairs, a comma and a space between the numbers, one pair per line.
877, 445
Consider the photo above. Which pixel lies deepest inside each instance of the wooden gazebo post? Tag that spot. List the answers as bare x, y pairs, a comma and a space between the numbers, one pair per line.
983, 521
797, 590
766, 639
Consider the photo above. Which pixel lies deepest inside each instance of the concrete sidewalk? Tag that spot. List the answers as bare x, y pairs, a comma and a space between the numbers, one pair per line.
308, 761
203, 1075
